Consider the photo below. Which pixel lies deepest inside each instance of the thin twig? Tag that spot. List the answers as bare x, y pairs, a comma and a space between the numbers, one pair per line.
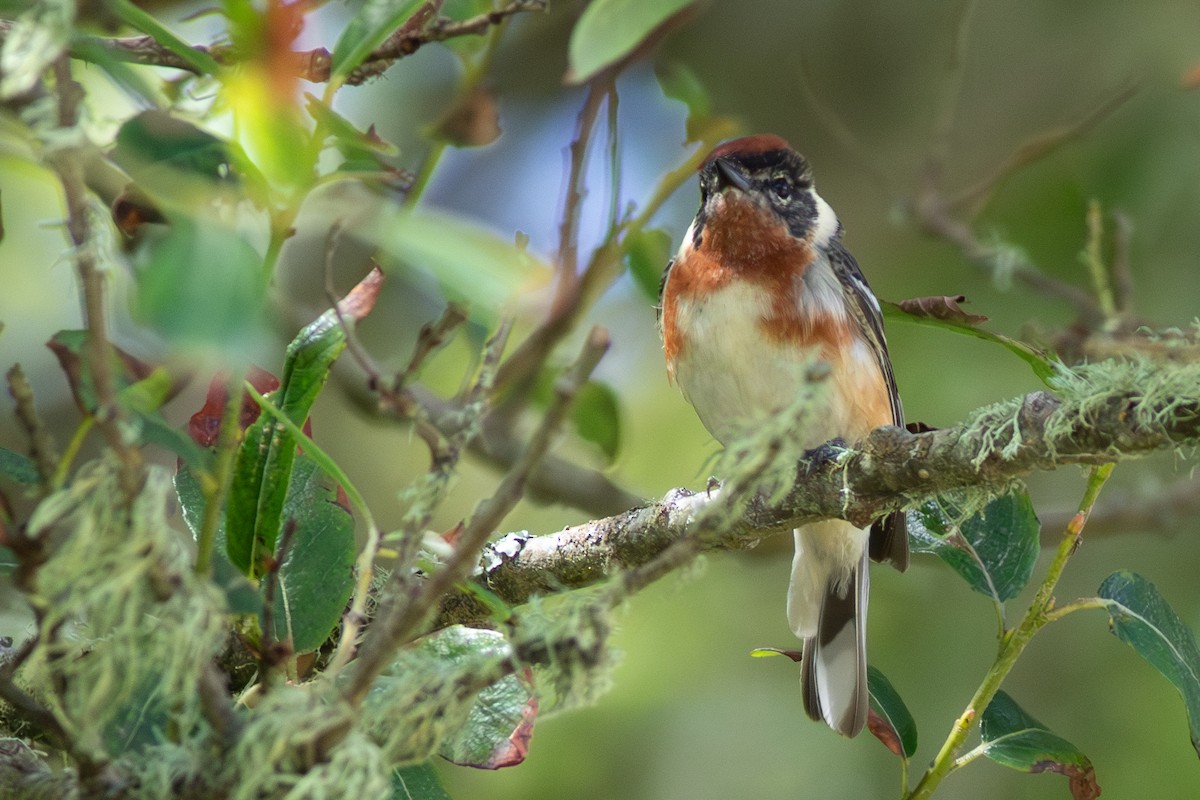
1097, 269
216, 488
398, 597
406, 620
1040, 147
68, 164
41, 441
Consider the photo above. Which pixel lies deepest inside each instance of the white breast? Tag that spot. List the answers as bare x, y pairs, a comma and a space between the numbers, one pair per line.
729, 371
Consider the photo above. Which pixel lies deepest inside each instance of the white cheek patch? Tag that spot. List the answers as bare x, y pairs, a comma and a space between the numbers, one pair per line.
689, 236
826, 225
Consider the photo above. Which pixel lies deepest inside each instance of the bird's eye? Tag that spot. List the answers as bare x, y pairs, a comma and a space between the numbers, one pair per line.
781, 188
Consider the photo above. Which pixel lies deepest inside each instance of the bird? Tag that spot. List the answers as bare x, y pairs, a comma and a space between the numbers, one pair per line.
760, 288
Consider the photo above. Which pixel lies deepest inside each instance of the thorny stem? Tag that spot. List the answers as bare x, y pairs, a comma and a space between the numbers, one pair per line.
1040, 612
68, 163
41, 441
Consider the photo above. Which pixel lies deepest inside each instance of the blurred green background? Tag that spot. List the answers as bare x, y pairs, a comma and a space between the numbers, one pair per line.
690, 714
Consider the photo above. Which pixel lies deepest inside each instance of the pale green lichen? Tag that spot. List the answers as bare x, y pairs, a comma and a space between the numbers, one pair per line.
1157, 393
567, 637
302, 745
124, 624
428, 691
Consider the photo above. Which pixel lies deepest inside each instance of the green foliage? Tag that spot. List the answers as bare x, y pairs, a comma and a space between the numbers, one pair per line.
1015, 739
901, 729
200, 284
417, 782
17, 467
263, 477
471, 263
316, 575
646, 254
609, 29
994, 550
1142, 619
143, 21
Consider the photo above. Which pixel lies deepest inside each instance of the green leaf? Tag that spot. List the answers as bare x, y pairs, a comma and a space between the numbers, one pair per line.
154, 143
596, 416
136, 18
471, 263
647, 252
317, 574
8, 561
891, 722
994, 551
678, 82
1042, 365
418, 782
1141, 618
1013, 738
265, 459
241, 596
349, 140
17, 467
200, 284
371, 25
498, 728
608, 30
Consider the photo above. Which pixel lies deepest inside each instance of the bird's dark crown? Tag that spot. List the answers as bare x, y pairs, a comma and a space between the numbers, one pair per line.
767, 170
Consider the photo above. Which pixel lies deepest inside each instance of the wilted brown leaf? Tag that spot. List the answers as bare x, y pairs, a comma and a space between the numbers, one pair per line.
941, 307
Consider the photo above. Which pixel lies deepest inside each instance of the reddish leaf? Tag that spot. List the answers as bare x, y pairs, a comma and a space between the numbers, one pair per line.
361, 299
132, 209
943, 307
882, 730
1080, 779
512, 751
205, 424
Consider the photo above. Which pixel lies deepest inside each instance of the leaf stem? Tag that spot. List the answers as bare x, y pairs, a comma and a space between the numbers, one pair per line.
1038, 614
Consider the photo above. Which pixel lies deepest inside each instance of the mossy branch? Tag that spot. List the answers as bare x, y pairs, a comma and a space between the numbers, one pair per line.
1099, 414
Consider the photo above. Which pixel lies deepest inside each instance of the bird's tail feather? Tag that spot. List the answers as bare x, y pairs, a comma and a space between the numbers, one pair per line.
834, 676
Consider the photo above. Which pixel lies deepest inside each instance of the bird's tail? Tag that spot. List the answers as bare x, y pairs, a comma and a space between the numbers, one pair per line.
827, 607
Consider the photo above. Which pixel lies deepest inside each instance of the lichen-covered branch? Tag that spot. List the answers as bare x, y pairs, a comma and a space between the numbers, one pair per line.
1099, 414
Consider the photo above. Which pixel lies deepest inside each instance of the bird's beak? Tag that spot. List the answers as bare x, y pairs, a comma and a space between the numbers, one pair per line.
730, 174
